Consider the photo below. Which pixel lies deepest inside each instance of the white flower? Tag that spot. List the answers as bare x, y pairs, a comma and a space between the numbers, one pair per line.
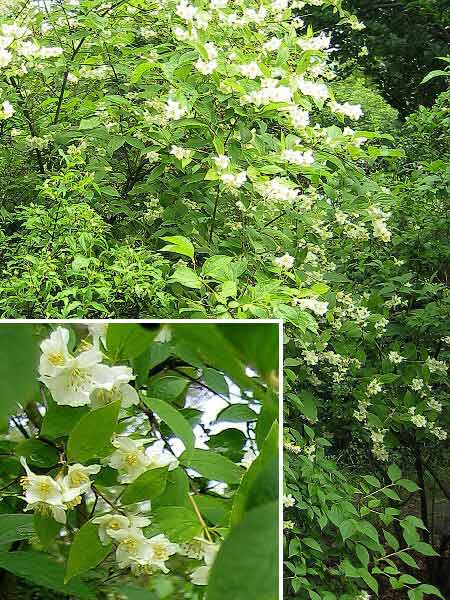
250, 70
417, 384
7, 110
285, 262
380, 230
211, 50
316, 306
272, 45
133, 547
298, 158
158, 457
434, 405
120, 389
78, 477
161, 549
278, 191
395, 357
43, 494
5, 57
222, 161
131, 459
206, 67
310, 357
98, 332
374, 388
186, 11
109, 525
419, 420
55, 354
50, 52
180, 153
217, 4
319, 91
436, 366
232, 180
299, 117
201, 574
164, 334
174, 110
288, 501
353, 111
74, 383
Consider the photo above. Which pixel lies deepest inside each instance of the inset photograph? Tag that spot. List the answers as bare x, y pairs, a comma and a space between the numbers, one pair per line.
139, 460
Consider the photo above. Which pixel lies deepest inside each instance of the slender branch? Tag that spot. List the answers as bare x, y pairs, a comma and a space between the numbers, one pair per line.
200, 518
213, 221
20, 427
98, 492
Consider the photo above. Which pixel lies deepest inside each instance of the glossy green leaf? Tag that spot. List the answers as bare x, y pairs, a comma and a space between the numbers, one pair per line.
86, 551
91, 436
147, 486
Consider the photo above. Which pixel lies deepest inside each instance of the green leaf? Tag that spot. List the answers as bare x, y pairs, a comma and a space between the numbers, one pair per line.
214, 509
425, 549
86, 551
178, 244
167, 387
18, 368
348, 528
312, 543
173, 419
46, 528
256, 343
147, 486
15, 527
38, 453
91, 436
433, 74
139, 71
394, 473
216, 381
176, 492
237, 413
60, 420
246, 567
128, 340
431, 590
187, 277
178, 523
217, 267
410, 486
362, 554
391, 540
214, 349
260, 482
41, 569
211, 465
409, 560
371, 480
91, 123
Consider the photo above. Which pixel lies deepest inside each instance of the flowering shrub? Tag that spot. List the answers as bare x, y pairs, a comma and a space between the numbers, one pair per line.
218, 112
145, 457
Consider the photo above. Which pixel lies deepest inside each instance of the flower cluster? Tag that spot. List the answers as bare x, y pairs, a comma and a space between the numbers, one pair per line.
82, 379
48, 496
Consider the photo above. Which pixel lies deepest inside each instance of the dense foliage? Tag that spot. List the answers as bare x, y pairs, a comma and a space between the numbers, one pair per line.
254, 159
138, 459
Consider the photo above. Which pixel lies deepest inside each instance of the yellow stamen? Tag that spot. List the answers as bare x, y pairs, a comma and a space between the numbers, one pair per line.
56, 359
131, 459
